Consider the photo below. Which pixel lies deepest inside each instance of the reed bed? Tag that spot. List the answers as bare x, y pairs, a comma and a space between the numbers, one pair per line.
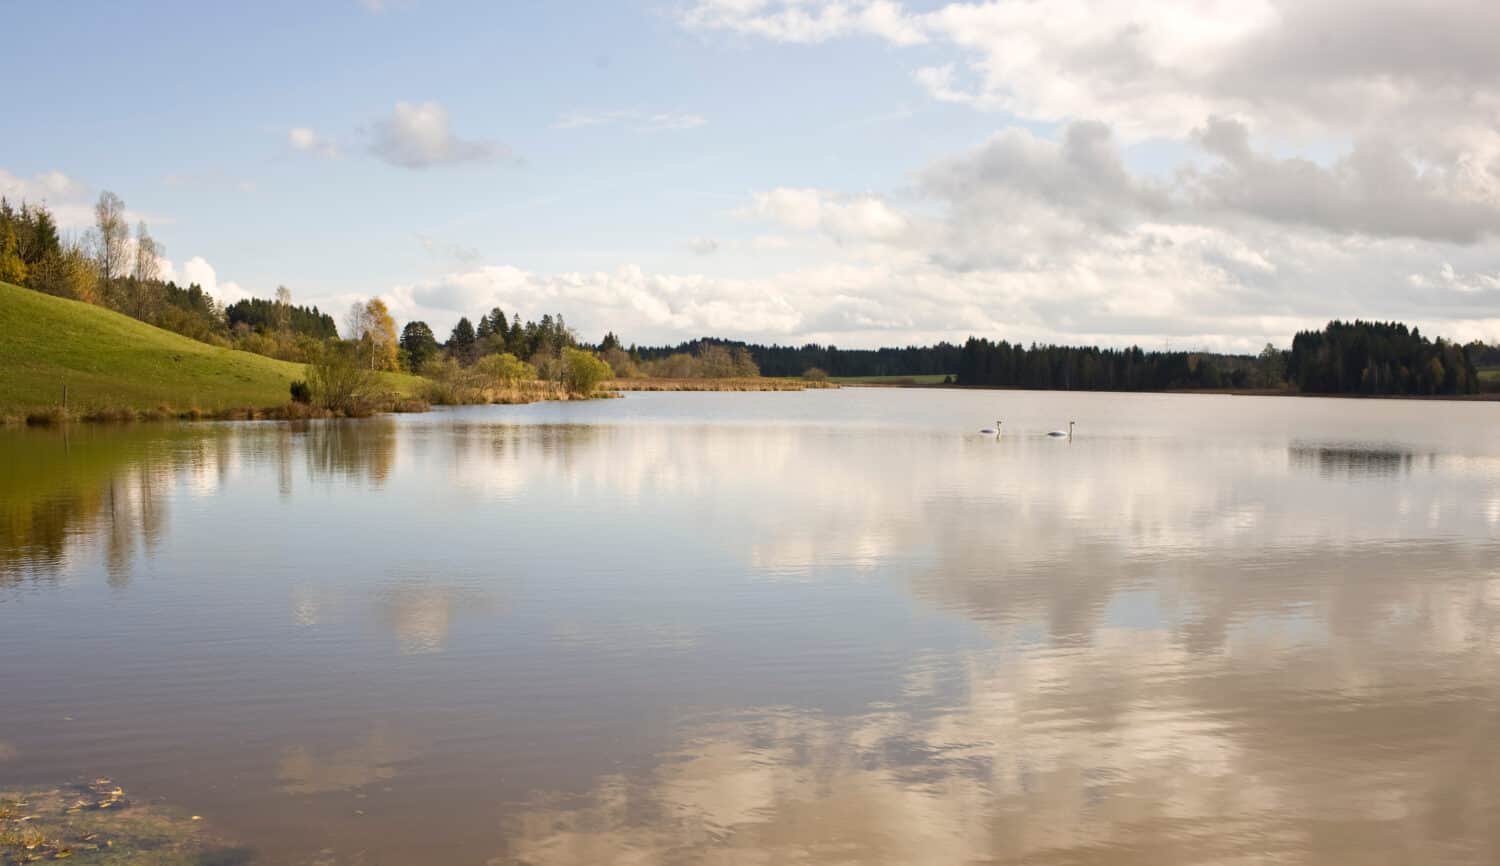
737, 384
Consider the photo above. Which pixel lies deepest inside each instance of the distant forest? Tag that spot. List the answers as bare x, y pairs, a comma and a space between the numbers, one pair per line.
1379, 358
775, 360
260, 314
1376, 358
114, 269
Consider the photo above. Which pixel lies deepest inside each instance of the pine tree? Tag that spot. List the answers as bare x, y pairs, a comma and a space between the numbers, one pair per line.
461, 341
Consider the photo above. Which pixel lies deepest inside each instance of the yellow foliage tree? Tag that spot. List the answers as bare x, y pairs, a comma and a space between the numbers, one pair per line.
371, 326
12, 268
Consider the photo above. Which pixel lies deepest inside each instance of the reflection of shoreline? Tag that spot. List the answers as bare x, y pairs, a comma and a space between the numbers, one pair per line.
363, 450
1352, 461
72, 492
1126, 650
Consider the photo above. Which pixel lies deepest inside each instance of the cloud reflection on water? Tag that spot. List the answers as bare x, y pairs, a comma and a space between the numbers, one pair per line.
875, 643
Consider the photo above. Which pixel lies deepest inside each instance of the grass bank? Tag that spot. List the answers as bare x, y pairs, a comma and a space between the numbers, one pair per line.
116, 368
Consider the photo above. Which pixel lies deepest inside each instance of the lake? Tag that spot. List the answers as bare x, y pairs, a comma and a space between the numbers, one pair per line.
820, 627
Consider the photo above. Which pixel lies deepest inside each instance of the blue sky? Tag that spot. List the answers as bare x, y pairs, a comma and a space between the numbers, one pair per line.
856, 171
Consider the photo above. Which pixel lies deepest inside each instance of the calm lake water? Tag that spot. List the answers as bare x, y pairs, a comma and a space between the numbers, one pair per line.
823, 627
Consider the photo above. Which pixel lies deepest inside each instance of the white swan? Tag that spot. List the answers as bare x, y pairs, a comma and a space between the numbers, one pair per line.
991, 431
1058, 434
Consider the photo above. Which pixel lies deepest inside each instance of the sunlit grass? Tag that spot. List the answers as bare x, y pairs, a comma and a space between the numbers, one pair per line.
112, 364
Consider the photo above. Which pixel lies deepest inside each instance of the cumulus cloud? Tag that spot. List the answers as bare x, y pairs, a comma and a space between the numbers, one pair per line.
844, 218
65, 196
1082, 174
653, 305
70, 200
1048, 239
1408, 92
1375, 189
1161, 66
308, 140
1471, 283
703, 246
418, 135
198, 270
39, 187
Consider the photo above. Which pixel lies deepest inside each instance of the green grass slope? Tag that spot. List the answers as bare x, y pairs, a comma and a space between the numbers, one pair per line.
109, 360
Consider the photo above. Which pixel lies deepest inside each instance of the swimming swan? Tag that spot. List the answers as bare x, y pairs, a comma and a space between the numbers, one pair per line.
991, 431
1058, 434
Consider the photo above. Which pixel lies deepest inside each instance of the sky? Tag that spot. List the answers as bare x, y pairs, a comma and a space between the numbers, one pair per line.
1207, 174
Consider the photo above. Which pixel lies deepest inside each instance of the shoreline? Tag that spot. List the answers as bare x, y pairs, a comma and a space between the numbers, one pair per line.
57, 416
745, 383
1481, 397
52, 416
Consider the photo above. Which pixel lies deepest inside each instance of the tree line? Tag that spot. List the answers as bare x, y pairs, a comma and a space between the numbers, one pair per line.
778, 360
1374, 358
1014, 365
117, 267
1379, 358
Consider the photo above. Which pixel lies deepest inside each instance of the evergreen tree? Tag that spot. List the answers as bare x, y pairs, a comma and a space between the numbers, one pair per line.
419, 344
461, 343
44, 240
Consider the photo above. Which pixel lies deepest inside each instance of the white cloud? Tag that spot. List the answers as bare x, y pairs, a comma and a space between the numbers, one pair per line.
1375, 189
703, 246
70, 200
1473, 282
1406, 88
418, 135
1162, 66
64, 196
308, 140
40, 187
939, 82
1028, 238
198, 270
844, 218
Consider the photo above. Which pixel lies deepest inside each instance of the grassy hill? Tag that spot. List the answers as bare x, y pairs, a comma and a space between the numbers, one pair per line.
108, 360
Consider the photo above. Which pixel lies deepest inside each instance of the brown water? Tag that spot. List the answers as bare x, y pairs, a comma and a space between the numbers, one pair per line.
827, 627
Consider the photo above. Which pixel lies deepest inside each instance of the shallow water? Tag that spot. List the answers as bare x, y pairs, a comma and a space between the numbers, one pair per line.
821, 627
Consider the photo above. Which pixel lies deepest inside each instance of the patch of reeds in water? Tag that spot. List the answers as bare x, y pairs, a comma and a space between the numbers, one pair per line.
53, 416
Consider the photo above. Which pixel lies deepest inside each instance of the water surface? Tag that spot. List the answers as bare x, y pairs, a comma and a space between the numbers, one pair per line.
822, 627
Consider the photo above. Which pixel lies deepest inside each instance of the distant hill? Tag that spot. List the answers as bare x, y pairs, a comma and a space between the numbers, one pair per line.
110, 360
